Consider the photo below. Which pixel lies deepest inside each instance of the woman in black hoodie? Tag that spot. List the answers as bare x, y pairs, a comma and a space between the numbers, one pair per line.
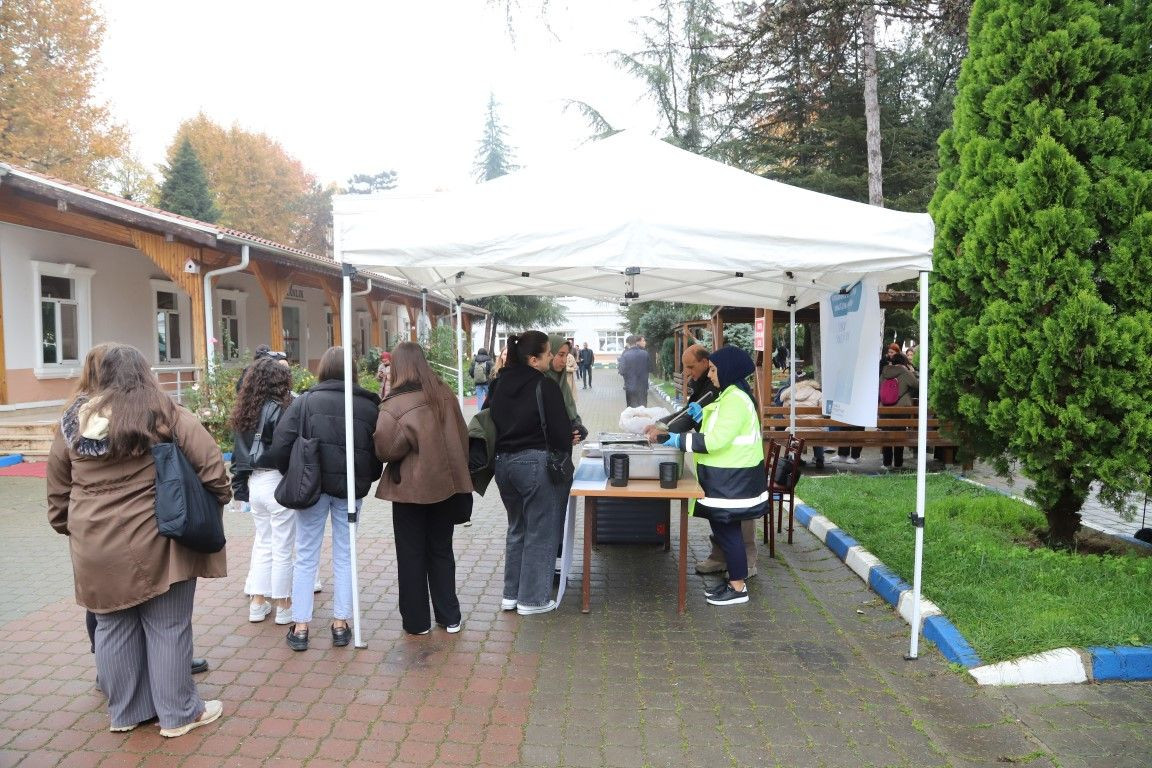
319, 413
532, 499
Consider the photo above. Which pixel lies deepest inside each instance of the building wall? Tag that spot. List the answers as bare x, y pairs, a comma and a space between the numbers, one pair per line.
587, 321
122, 308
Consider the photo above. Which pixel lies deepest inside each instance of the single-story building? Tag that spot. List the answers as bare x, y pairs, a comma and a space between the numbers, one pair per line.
79, 267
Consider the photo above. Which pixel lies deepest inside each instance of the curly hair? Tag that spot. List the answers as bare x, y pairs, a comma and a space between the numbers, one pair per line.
267, 379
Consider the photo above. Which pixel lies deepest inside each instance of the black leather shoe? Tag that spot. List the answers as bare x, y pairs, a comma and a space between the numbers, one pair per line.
341, 636
199, 665
298, 641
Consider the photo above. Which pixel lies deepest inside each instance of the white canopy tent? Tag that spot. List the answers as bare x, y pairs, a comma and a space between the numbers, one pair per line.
632, 218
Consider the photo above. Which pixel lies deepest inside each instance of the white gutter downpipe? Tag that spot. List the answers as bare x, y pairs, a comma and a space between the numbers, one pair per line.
208, 314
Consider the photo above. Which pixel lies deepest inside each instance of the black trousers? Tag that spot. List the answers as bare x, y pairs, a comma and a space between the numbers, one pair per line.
425, 564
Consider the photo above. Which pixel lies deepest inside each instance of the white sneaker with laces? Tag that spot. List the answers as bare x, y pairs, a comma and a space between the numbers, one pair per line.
259, 611
530, 610
212, 711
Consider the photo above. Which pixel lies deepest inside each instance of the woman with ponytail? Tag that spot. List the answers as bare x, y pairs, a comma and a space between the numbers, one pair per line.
534, 502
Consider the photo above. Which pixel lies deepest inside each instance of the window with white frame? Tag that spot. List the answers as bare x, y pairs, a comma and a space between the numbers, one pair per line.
64, 322
170, 308
610, 341
230, 328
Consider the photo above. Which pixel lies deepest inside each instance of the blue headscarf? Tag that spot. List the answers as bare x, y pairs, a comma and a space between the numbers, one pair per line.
733, 366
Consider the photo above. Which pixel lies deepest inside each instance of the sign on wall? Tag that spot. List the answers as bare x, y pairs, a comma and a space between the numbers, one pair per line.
851, 337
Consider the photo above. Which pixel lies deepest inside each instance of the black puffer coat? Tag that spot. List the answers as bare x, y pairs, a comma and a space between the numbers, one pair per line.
324, 405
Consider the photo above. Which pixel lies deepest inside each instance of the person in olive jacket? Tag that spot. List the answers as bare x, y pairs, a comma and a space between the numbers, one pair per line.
422, 436
102, 496
323, 406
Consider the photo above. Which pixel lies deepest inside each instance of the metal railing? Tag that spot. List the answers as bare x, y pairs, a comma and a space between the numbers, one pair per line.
174, 379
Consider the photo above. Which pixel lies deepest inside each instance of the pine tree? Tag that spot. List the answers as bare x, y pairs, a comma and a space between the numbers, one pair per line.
494, 158
185, 189
1042, 302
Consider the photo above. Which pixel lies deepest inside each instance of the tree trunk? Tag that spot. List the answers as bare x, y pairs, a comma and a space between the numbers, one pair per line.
872, 109
1064, 520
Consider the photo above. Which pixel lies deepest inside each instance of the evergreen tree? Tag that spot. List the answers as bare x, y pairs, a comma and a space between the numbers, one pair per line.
185, 189
1042, 303
494, 158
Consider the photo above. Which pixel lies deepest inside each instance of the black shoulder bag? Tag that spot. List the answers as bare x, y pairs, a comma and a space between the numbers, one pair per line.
300, 486
186, 511
560, 467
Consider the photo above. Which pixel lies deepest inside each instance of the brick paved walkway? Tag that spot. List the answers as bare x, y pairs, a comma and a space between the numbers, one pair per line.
810, 673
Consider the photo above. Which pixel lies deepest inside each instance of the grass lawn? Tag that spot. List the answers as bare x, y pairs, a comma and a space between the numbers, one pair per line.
982, 566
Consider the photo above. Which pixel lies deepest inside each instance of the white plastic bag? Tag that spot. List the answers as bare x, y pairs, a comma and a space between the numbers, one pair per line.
634, 420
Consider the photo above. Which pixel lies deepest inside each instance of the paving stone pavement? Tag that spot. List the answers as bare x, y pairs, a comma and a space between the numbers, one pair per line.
810, 673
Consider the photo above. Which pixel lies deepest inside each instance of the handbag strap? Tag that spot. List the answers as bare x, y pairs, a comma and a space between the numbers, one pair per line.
540, 410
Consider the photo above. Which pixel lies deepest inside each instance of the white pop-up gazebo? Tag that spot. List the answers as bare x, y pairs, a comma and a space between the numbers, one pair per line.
632, 218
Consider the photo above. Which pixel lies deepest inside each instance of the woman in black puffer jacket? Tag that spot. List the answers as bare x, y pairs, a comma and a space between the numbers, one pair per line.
322, 410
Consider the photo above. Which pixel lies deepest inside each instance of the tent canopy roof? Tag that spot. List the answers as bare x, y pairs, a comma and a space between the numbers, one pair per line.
632, 217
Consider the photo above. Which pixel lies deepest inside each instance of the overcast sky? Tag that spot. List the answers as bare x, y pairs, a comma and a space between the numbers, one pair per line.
357, 87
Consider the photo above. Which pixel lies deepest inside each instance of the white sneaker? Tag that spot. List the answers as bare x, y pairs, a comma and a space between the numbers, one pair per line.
834, 458
529, 610
212, 711
507, 605
851, 460
259, 612
283, 615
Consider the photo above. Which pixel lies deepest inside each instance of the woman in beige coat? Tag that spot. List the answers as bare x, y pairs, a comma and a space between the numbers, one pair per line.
421, 435
140, 585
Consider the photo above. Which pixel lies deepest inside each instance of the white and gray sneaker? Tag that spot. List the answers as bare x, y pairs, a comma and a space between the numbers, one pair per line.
728, 596
529, 610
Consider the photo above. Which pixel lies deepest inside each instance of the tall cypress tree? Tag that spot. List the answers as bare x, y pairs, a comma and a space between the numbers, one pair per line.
1042, 302
185, 189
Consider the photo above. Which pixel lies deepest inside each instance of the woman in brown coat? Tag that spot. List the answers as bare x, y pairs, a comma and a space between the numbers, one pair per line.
140, 585
422, 436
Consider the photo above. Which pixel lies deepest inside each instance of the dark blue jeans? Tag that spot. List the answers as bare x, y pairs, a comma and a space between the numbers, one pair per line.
535, 516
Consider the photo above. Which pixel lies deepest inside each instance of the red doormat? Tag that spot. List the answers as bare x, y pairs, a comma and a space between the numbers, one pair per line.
25, 469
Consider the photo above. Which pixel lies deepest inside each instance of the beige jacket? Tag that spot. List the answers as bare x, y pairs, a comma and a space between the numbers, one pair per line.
427, 461
107, 509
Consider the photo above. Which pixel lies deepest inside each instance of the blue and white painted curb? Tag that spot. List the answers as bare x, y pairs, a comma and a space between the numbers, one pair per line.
1062, 665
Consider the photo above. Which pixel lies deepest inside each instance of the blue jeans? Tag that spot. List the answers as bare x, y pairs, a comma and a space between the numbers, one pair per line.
481, 394
309, 538
535, 516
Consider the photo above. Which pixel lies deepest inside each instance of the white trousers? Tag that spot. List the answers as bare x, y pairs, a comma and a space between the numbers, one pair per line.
270, 572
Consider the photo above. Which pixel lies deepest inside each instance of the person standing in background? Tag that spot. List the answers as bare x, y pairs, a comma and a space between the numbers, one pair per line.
480, 371
633, 367
585, 361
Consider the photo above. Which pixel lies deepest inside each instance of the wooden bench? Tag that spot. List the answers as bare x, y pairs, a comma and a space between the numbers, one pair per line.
812, 426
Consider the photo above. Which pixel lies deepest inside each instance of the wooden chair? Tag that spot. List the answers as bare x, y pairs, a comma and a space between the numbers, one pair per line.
782, 490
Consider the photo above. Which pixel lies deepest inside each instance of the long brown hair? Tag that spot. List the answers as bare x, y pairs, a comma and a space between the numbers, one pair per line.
266, 379
89, 380
139, 413
410, 368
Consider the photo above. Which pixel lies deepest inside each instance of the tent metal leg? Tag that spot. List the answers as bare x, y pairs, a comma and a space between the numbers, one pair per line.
921, 470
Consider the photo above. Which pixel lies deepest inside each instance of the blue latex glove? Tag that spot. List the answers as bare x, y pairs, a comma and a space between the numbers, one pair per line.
675, 439
695, 411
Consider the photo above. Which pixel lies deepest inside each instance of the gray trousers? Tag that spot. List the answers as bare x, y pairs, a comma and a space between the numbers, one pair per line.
533, 503
144, 660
